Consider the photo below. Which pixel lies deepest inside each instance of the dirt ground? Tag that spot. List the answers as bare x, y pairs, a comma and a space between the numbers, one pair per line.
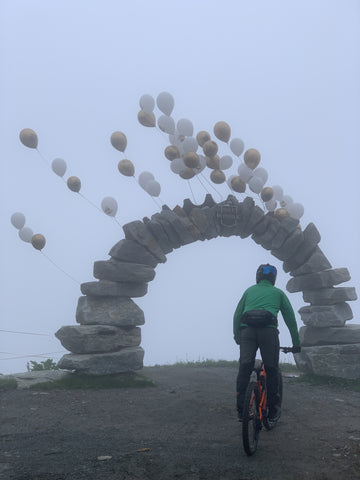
185, 428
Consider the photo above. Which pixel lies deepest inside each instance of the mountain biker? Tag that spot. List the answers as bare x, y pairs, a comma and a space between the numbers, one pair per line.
255, 326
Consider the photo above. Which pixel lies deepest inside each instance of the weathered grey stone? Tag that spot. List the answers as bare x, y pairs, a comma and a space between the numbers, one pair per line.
286, 228
266, 237
189, 225
157, 230
256, 217
125, 360
316, 263
138, 232
311, 336
117, 311
210, 215
231, 216
260, 228
200, 220
174, 227
329, 296
117, 271
186, 231
290, 246
208, 202
130, 251
114, 289
311, 238
324, 279
247, 208
326, 315
331, 360
97, 338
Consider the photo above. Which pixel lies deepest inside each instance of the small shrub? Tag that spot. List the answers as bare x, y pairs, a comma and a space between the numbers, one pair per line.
48, 364
8, 383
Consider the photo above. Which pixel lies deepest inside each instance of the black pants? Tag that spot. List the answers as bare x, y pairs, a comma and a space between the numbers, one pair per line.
267, 339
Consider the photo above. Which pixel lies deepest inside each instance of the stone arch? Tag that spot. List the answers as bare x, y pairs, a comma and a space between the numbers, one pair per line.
107, 339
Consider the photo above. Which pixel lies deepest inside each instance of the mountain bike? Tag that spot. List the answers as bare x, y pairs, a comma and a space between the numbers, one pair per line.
256, 411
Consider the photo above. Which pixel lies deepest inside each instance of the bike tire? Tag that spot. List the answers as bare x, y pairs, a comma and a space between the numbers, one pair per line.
251, 424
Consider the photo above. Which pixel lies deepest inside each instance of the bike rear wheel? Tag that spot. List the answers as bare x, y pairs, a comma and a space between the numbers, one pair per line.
251, 424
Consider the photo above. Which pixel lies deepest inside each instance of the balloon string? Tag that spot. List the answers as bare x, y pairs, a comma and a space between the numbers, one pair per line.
201, 183
43, 158
57, 266
91, 203
212, 186
115, 220
192, 193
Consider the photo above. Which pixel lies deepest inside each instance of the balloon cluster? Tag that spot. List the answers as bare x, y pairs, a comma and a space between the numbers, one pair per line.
26, 234
187, 160
118, 140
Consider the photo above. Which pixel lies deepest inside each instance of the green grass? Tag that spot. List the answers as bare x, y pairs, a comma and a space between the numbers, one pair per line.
332, 382
86, 382
285, 367
8, 384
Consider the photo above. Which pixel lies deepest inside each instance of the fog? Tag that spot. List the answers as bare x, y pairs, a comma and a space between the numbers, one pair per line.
284, 75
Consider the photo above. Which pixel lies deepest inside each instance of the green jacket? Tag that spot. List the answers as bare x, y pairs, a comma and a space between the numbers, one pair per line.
264, 296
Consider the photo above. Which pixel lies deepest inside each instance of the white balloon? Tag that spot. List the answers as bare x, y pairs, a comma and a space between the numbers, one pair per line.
228, 180
245, 173
18, 220
271, 205
226, 162
166, 124
153, 188
109, 206
185, 127
296, 210
26, 234
278, 192
165, 102
286, 201
177, 165
190, 144
261, 173
147, 103
237, 146
256, 184
59, 166
144, 178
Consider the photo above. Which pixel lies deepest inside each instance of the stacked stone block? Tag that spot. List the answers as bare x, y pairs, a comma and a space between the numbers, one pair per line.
107, 341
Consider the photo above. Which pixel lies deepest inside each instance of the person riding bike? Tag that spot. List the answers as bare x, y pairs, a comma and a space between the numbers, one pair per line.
255, 326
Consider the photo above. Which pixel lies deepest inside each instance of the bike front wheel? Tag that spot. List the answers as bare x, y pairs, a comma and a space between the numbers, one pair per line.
251, 424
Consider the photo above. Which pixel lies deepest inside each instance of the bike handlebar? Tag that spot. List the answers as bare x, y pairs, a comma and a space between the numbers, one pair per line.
289, 349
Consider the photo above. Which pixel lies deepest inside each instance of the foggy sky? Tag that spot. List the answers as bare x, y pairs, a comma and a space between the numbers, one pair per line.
284, 75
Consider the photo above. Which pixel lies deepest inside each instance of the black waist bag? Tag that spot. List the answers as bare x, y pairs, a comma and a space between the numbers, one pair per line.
259, 318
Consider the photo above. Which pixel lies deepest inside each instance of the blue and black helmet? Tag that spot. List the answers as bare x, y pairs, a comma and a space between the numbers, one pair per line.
266, 272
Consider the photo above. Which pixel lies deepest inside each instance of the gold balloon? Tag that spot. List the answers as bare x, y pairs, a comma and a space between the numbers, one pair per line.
210, 148
38, 241
191, 160
281, 213
252, 158
74, 184
147, 119
202, 137
217, 176
213, 162
238, 185
119, 141
28, 138
222, 131
172, 152
126, 167
267, 194
187, 173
